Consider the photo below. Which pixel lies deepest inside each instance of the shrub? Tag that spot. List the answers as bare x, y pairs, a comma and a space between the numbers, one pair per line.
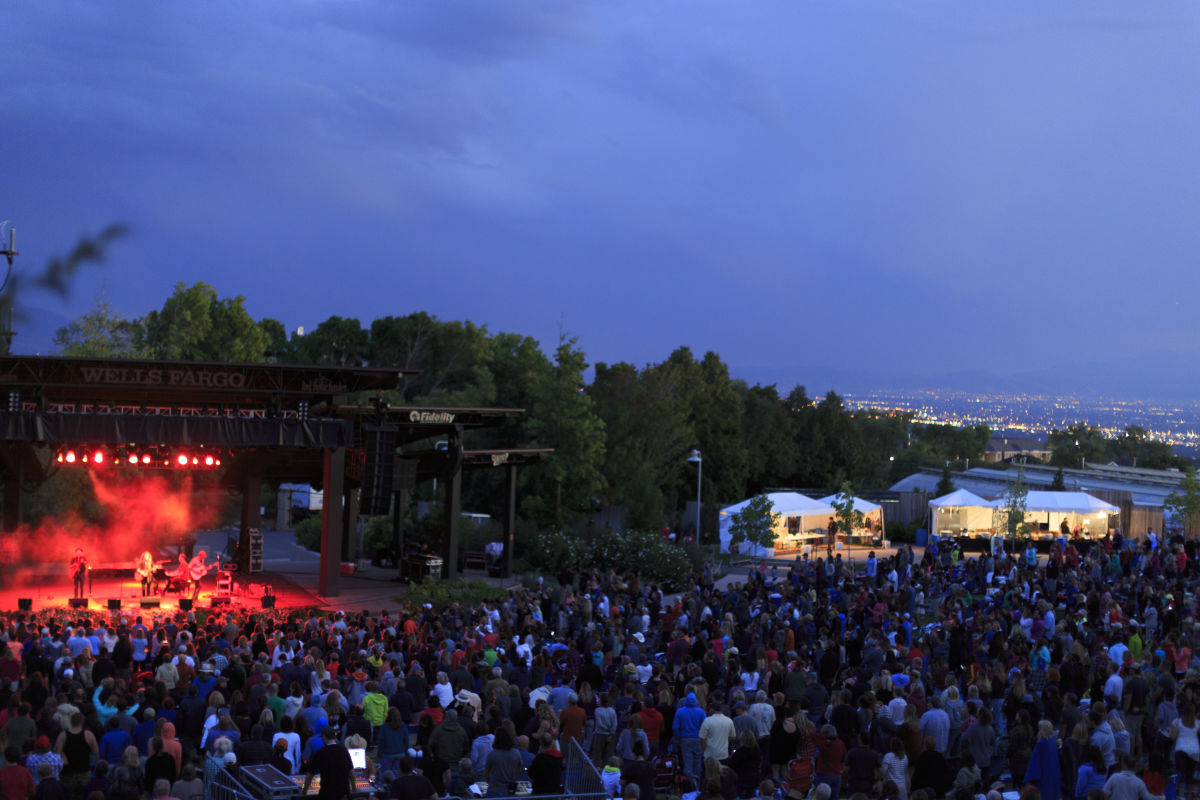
439, 594
643, 553
308, 532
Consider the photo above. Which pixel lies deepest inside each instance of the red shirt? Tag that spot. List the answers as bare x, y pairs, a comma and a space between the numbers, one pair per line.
15, 783
652, 723
831, 755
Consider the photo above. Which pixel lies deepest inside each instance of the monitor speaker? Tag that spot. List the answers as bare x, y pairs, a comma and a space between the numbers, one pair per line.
114, 604
25, 604
185, 604
268, 601
79, 602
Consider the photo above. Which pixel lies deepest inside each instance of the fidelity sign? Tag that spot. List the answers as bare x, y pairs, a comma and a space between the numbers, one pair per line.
154, 376
431, 417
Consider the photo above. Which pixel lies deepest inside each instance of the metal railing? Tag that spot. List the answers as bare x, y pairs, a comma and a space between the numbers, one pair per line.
581, 781
226, 787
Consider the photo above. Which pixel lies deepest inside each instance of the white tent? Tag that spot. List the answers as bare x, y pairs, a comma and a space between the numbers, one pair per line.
957, 511
872, 512
1046, 511
797, 516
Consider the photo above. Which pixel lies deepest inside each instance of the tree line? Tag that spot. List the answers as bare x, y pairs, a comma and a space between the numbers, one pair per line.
621, 438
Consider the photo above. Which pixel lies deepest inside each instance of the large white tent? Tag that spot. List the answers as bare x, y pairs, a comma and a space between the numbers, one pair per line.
798, 518
960, 510
1046, 511
872, 512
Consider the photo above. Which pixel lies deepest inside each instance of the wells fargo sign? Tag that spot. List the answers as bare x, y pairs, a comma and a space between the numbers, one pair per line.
156, 376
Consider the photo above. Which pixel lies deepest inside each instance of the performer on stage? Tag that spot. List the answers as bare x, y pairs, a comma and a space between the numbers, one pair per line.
79, 568
145, 570
198, 569
178, 577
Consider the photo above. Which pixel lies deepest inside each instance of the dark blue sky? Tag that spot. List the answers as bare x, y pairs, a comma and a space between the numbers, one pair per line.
881, 189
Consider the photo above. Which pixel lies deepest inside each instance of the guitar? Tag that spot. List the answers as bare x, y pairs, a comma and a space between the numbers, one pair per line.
145, 568
197, 569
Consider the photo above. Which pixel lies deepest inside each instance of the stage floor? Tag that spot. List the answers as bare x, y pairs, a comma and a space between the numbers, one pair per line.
54, 592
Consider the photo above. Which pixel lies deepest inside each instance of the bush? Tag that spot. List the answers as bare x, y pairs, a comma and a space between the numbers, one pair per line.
308, 533
643, 553
439, 594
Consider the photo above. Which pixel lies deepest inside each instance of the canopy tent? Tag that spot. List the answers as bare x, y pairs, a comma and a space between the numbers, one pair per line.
960, 510
797, 518
1046, 511
872, 513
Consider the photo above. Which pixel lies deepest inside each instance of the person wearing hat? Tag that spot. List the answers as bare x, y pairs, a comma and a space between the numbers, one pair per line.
43, 756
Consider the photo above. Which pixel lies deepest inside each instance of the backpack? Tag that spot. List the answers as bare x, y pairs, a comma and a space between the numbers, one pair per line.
800, 774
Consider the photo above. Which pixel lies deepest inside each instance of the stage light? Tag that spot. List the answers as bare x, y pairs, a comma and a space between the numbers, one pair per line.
208, 461
146, 459
182, 459
133, 458
195, 460
218, 462
98, 457
70, 456
60, 458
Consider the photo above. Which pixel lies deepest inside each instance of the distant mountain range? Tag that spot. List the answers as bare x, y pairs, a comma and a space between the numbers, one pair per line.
1163, 375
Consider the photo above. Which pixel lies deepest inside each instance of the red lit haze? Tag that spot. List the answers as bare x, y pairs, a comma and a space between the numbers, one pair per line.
142, 512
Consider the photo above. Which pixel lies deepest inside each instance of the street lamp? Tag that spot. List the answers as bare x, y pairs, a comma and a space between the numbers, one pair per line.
695, 458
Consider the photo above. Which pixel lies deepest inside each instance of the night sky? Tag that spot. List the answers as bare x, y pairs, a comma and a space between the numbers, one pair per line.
807, 188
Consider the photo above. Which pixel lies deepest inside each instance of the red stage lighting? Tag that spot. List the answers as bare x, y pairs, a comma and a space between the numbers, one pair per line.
98, 457
133, 458
182, 459
208, 461
195, 460
70, 456
146, 459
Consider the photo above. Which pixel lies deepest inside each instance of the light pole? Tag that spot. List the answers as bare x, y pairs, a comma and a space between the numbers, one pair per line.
695, 458
443, 445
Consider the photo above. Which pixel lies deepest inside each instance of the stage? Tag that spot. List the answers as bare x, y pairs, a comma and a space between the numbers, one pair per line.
51, 590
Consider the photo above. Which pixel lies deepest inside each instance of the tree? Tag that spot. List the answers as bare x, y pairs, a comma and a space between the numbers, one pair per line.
770, 450
754, 524
946, 483
336, 342
100, 333
849, 519
1185, 503
1012, 513
196, 325
569, 480
1058, 484
1078, 442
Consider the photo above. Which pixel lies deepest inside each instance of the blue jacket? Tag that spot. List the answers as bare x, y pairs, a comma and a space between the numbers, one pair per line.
689, 718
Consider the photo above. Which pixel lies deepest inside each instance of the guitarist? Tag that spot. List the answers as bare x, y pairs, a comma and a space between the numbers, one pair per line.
197, 569
145, 571
79, 568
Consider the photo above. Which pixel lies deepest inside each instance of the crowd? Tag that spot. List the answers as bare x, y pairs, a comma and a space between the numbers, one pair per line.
1068, 676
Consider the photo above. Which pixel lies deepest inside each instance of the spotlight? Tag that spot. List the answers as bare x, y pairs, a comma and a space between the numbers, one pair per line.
70, 458
98, 457
302, 411
195, 460
146, 459
182, 459
14, 402
133, 458
208, 461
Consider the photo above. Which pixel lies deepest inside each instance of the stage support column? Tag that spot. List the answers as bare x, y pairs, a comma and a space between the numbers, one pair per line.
251, 515
333, 483
510, 520
399, 503
453, 502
